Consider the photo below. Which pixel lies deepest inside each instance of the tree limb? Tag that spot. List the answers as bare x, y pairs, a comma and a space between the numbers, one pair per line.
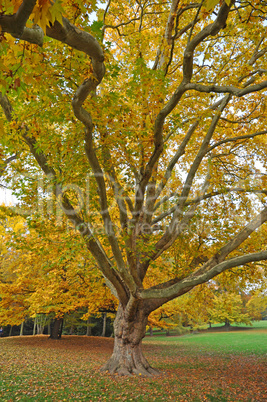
226, 89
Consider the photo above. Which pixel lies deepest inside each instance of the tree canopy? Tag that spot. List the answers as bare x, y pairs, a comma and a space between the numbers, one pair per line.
45, 269
148, 122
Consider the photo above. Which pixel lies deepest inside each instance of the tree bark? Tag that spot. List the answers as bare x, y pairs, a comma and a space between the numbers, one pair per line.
127, 357
57, 328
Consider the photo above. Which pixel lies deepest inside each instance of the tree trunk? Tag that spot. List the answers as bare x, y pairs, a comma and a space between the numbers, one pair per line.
21, 329
127, 357
57, 328
60, 328
89, 327
34, 325
227, 324
104, 315
40, 329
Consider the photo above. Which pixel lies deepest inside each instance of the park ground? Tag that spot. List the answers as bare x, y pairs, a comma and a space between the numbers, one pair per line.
209, 366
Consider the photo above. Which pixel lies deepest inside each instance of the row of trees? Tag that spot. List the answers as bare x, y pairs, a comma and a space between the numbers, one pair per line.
212, 305
41, 276
147, 120
73, 324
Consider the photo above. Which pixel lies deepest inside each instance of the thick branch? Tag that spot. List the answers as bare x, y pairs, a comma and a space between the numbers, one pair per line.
79, 40
214, 265
226, 88
187, 284
14, 24
210, 30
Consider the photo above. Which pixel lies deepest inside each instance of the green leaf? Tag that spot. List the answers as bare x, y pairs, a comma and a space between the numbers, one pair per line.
211, 4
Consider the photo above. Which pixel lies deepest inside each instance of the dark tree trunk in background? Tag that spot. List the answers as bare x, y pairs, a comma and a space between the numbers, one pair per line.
89, 327
57, 328
61, 328
227, 325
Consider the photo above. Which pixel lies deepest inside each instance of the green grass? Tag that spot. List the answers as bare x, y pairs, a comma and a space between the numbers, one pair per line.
213, 367
252, 340
255, 324
182, 331
246, 342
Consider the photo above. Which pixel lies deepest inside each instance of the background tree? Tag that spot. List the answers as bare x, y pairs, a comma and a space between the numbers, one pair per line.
45, 271
171, 129
228, 308
257, 306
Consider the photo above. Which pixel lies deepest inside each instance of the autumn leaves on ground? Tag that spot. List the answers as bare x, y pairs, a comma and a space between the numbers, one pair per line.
204, 367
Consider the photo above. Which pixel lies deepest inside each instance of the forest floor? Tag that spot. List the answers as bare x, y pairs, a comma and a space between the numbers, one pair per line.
203, 367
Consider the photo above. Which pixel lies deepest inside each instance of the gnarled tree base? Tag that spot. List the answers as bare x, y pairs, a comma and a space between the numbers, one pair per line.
127, 358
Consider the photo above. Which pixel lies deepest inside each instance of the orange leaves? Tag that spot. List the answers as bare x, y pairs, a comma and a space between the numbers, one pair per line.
9, 6
41, 273
44, 12
38, 368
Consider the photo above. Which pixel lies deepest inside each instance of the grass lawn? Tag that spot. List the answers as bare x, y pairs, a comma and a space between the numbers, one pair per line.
203, 367
242, 342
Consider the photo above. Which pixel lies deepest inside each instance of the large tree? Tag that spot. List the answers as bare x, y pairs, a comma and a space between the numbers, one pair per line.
168, 120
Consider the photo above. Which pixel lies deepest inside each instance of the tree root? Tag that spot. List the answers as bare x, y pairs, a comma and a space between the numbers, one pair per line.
115, 367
